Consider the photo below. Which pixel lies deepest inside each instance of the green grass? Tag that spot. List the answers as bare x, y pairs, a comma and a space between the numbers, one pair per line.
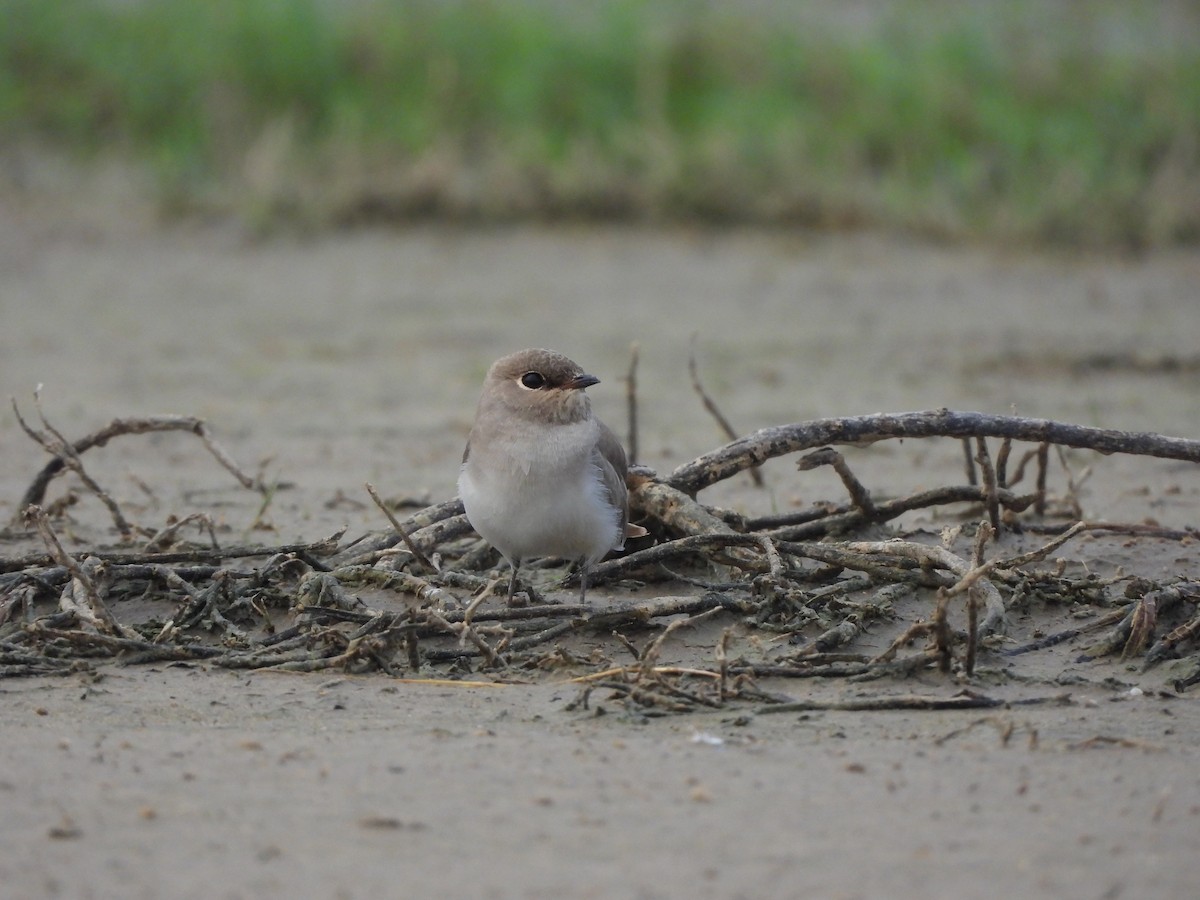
1073, 123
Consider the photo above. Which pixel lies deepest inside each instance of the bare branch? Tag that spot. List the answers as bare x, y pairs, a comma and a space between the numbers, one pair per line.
780, 440
36, 491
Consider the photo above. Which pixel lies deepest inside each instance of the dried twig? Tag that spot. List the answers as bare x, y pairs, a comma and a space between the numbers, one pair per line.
165, 536
631, 443
713, 409
1043, 455
815, 523
1188, 631
1136, 625
96, 613
990, 482
309, 550
982, 536
404, 536
859, 495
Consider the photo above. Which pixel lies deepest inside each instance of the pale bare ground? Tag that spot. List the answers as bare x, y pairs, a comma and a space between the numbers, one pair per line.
355, 357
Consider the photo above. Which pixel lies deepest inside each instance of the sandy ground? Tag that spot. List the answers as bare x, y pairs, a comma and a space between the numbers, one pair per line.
345, 358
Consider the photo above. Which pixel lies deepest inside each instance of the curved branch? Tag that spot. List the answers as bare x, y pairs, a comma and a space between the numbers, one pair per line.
36, 491
768, 443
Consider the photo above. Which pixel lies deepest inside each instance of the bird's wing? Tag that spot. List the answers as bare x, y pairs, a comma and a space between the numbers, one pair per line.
613, 467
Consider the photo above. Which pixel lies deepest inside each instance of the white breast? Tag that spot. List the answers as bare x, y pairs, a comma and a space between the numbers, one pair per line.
541, 498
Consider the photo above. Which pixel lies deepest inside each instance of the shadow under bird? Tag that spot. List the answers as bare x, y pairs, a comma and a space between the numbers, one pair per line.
541, 475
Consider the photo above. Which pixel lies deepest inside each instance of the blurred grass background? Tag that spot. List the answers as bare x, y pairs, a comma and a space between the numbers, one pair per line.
1072, 123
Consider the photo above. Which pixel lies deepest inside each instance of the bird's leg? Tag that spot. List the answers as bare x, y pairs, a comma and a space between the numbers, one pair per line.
512, 582
583, 567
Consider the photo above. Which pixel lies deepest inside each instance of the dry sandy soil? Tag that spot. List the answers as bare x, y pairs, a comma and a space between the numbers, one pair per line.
357, 357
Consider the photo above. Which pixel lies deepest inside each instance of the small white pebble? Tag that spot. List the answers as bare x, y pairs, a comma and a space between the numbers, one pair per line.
703, 737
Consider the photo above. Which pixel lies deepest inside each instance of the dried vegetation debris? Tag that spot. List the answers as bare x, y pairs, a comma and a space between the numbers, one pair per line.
793, 593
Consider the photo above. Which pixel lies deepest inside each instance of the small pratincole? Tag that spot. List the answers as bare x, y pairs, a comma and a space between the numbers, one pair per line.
541, 475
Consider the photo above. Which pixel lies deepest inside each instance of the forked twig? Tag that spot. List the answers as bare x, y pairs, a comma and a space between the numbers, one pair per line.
62, 450
36, 491
859, 495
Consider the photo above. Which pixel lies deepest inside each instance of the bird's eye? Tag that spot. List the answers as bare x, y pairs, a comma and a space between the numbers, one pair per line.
532, 380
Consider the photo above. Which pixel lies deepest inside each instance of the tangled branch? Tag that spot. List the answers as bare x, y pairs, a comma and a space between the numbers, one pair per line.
419, 597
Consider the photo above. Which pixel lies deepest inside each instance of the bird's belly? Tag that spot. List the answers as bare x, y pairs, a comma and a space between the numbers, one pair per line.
568, 516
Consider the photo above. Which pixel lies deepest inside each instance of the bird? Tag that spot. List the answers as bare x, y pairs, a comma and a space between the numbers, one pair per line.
541, 475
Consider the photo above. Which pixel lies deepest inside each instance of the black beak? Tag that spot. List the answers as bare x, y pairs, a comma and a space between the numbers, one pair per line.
579, 382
